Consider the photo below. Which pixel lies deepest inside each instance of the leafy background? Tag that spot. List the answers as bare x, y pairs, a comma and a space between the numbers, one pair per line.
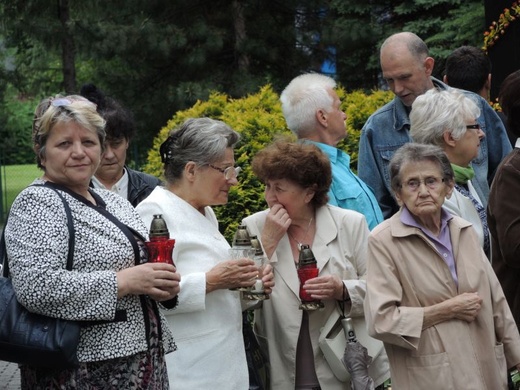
258, 118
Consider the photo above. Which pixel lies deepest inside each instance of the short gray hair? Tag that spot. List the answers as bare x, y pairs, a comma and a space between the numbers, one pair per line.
301, 99
201, 140
436, 112
412, 153
62, 109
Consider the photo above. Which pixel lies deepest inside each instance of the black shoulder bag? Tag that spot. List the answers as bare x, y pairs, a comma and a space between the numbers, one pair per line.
33, 339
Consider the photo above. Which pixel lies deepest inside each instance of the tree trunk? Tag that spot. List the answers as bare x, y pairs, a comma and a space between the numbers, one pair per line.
67, 49
240, 35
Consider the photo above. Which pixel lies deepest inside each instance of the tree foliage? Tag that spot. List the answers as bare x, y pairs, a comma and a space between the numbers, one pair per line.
259, 120
357, 29
158, 57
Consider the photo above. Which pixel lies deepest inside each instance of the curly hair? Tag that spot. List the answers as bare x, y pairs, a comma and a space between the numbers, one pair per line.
299, 162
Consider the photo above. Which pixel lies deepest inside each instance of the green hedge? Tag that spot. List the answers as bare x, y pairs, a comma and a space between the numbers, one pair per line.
258, 118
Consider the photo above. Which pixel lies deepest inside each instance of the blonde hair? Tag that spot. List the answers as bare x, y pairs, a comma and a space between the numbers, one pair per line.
62, 109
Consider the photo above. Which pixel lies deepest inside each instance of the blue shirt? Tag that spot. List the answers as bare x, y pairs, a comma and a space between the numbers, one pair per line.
347, 190
387, 130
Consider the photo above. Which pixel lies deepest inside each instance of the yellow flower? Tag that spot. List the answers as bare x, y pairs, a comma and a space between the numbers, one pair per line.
497, 28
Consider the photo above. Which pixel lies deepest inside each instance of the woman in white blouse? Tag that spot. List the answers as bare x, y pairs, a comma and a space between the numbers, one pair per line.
207, 324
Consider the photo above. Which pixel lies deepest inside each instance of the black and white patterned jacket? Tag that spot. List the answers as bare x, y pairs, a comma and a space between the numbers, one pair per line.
37, 246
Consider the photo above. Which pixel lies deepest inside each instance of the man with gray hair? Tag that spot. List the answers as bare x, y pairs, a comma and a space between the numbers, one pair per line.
312, 110
407, 68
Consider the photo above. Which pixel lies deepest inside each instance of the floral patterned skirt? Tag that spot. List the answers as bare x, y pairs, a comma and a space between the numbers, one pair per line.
143, 371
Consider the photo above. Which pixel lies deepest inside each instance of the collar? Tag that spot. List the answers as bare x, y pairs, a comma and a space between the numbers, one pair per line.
408, 219
517, 144
400, 228
120, 187
463, 174
332, 152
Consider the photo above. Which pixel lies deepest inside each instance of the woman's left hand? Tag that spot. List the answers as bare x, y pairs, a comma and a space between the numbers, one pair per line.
325, 287
268, 279
160, 281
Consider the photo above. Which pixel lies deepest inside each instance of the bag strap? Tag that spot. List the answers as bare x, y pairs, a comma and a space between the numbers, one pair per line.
70, 226
341, 303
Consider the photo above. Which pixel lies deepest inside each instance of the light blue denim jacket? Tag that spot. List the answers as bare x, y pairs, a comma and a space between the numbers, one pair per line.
388, 129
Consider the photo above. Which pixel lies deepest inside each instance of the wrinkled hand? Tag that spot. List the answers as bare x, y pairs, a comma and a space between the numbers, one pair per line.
466, 306
160, 281
276, 224
325, 287
231, 274
268, 279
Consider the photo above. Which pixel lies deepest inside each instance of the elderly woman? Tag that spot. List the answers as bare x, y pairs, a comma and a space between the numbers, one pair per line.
110, 283
449, 119
199, 171
504, 207
432, 296
297, 178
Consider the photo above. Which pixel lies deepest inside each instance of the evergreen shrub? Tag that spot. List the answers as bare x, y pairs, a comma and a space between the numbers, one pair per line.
258, 118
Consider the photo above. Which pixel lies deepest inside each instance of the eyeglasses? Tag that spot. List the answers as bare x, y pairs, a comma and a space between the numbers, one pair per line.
431, 182
229, 172
61, 102
473, 127
67, 101
64, 102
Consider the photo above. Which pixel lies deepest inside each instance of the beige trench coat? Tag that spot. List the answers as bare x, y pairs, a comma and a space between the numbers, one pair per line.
340, 248
404, 274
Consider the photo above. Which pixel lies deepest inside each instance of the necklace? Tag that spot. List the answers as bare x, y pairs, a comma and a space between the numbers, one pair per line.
298, 243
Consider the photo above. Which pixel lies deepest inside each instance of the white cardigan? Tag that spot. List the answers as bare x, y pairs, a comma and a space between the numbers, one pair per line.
207, 327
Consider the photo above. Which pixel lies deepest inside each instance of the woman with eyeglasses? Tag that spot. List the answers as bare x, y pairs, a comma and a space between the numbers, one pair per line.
432, 296
448, 119
207, 324
111, 289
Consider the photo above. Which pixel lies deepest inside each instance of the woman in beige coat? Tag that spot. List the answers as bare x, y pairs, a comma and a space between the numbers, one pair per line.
432, 296
297, 178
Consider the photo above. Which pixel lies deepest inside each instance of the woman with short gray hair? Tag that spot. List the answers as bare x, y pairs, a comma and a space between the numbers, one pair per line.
432, 297
449, 119
201, 140
199, 171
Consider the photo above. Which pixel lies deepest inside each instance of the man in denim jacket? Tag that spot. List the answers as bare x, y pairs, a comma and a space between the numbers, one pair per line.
407, 68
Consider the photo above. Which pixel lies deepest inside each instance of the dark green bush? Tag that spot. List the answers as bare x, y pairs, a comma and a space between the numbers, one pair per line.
258, 118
